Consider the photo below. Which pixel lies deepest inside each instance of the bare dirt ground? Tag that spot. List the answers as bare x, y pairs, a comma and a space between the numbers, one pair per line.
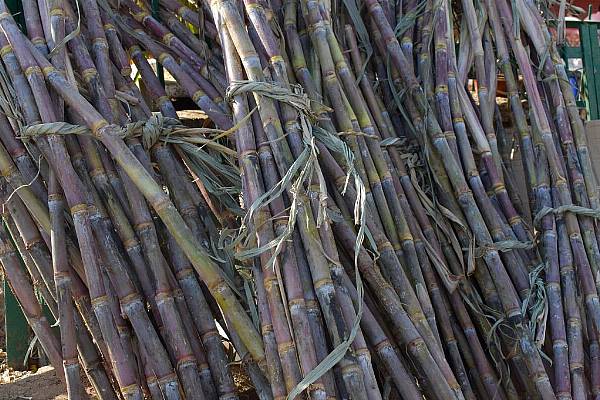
26, 385
44, 385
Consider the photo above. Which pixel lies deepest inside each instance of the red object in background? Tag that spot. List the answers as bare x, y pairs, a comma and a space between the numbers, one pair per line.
572, 34
572, 37
584, 4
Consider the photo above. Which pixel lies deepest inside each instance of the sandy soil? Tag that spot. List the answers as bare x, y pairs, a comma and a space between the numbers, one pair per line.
41, 385
44, 385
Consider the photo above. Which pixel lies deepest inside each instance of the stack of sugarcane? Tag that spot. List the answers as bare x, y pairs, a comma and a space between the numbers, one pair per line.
347, 224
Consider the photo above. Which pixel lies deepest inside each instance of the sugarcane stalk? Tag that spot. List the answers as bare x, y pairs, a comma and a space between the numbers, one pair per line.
185, 361
482, 88
63, 293
47, 293
385, 181
447, 260
151, 191
181, 266
91, 363
416, 311
282, 155
117, 53
441, 145
32, 241
34, 25
253, 190
366, 87
100, 51
88, 355
32, 310
538, 33
74, 196
195, 91
557, 171
558, 330
30, 169
291, 277
208, 386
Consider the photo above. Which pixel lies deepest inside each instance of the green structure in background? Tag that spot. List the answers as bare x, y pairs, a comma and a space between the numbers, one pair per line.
159, 68
16, 330
16, 7
589, 53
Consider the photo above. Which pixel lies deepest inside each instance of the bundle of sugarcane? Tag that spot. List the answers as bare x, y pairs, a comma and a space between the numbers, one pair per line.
109, 255
351, 223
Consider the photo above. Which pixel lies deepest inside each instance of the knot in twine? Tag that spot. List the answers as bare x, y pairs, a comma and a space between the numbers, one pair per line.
151, 130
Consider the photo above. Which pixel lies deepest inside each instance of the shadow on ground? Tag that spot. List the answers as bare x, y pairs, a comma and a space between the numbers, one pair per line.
43, 385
